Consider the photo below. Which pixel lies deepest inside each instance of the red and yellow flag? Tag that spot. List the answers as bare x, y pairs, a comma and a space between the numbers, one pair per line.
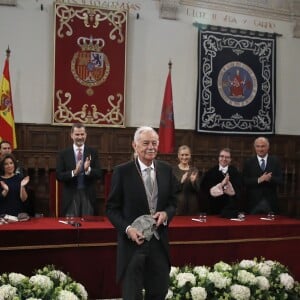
7, 122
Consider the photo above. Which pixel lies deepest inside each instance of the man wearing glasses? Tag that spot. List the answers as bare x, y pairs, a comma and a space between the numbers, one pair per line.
222, 186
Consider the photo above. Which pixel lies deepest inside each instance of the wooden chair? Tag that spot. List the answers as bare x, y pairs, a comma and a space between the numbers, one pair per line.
55, 195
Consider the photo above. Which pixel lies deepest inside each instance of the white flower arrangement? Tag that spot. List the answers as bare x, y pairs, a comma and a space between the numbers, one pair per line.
245, 280
46, 284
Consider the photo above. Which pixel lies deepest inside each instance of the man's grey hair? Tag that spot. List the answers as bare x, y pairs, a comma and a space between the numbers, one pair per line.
262, 138
141, 130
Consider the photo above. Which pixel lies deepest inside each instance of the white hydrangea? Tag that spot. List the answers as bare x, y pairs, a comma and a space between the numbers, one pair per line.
219, 280
80, 289
66, 295
16, 278
262, 282
183, 278
244, 276
59, 275
198, 293
240, 292
42, 281
47, 282
264, 269
169, 295
270, 263
174, 271
201, 271
247, 264
7, 292
287, 281
222, 267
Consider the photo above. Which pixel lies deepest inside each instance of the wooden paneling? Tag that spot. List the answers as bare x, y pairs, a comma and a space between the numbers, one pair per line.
38, 145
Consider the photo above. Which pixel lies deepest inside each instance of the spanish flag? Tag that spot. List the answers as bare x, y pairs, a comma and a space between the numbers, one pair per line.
7, 122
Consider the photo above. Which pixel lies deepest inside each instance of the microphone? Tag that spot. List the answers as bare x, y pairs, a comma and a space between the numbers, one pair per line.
75, 224
72, 223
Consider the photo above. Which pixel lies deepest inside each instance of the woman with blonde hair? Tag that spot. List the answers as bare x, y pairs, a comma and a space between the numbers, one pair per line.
188, 182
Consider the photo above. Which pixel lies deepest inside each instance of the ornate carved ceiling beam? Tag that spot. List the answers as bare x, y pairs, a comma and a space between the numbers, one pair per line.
284, 10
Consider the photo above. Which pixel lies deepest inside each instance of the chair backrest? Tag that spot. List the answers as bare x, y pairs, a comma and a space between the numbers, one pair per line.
107, 183
55, 195
55, 192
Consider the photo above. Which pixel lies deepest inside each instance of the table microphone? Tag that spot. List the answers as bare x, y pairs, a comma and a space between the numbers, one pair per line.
75, 224
72, 223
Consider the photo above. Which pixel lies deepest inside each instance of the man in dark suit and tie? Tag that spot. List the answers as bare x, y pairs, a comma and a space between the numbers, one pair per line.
262, 174
78, 169
222, 186
143, 263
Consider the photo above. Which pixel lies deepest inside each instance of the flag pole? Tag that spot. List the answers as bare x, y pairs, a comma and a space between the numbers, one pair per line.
8, 52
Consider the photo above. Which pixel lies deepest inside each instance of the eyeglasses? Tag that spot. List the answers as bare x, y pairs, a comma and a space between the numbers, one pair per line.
224, 156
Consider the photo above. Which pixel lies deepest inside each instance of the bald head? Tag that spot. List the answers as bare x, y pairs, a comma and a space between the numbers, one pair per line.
261, 146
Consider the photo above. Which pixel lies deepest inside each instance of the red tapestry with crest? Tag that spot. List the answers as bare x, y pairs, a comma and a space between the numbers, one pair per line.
89, 75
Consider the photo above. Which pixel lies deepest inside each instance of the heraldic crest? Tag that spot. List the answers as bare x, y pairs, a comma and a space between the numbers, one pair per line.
89, 66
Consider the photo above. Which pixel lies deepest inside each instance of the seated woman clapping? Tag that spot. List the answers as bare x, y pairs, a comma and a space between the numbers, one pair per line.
13, 192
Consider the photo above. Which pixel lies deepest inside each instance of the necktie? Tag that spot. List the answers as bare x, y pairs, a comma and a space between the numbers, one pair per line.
148, 181
79, 155
262, 164
80, 177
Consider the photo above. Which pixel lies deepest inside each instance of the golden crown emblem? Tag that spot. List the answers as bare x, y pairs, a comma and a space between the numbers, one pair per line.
90, 44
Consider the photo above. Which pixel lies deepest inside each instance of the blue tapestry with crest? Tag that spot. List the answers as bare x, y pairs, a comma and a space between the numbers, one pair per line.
236, 81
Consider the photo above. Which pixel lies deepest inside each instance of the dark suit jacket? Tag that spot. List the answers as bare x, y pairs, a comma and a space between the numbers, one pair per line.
224, 205
266, 190
66, 162
127, 201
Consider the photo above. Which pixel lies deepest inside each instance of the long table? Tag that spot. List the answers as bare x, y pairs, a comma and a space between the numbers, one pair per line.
88, 252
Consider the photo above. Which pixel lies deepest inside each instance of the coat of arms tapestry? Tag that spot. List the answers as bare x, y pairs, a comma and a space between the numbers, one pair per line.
236, 81
89, 69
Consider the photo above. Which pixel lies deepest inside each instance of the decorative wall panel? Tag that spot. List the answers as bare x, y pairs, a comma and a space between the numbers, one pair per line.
89, 75
236, 81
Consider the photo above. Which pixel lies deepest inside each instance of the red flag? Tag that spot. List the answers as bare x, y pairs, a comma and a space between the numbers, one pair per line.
7, 123
166, 126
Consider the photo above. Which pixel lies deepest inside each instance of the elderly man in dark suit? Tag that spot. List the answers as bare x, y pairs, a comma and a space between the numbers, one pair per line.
143, 263
78, 169
262, 174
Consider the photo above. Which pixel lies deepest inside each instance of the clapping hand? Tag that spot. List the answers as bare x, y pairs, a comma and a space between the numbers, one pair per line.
87, 163
190, 175
4, 186
225, 180
184, 177
78, 168
193, 176
24, 181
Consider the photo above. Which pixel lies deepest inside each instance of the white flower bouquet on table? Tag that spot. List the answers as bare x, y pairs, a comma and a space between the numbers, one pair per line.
46, 284
246, 280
